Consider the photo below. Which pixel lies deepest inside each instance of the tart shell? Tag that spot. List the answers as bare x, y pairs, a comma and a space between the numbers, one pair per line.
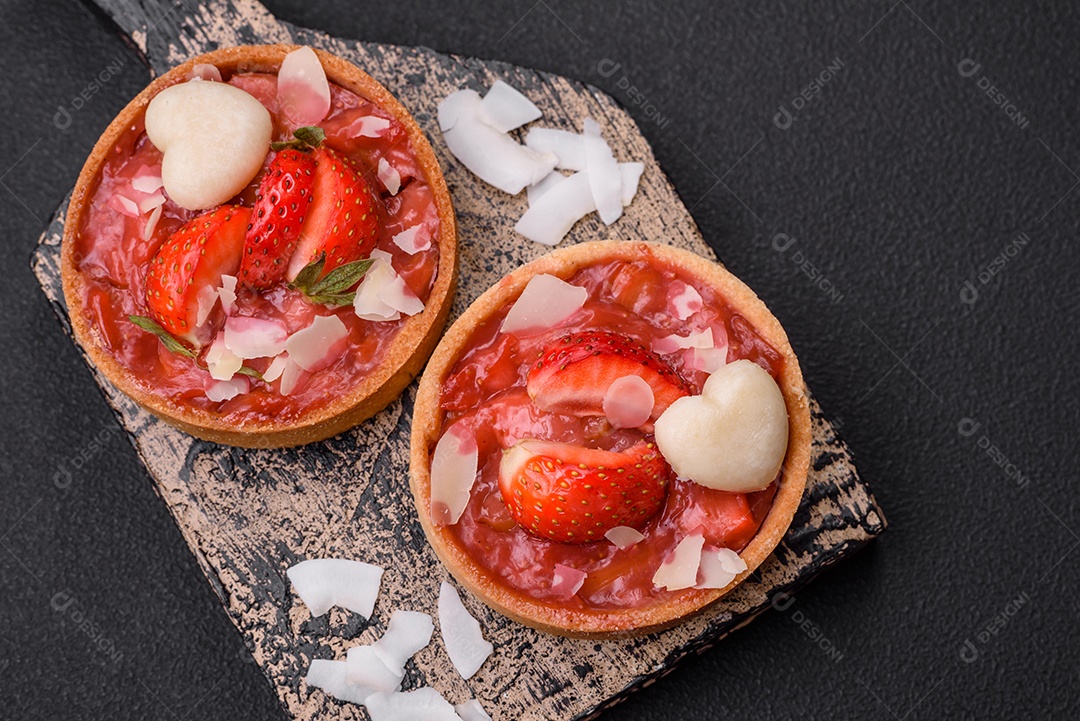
427, 428
410, 347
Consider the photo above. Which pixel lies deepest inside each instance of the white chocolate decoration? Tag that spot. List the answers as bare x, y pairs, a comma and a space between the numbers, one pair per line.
733, 436
213, 137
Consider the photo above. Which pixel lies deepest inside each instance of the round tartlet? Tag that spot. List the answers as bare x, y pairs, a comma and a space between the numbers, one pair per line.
429, 416
409, 348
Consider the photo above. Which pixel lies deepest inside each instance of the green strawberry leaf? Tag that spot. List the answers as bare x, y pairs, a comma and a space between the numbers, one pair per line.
305, 138
167, 339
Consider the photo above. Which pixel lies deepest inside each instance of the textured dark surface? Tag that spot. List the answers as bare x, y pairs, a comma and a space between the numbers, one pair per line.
249, 514
899, 182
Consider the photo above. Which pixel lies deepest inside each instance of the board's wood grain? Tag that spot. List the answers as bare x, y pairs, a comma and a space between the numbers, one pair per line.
249, 514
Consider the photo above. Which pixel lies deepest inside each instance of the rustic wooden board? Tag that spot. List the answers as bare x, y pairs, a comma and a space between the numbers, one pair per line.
248, 515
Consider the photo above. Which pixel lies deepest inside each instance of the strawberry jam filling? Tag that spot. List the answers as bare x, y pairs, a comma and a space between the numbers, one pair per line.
113, 258
486, 394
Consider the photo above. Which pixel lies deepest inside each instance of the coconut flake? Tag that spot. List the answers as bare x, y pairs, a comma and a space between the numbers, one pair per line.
494, 157
151, 201
389, 176
423, 704
226, 390
222, 362
630, 175
319, 344
413, 240
471, 710
331, 677
461, 633
365, 668
255, 337
205, 71
147, 179
276, 368
453, 472
719, 567
325, 582
291, 375
368, 303
381, 665
554, 213
206, 299
605, 178
568, 147
683, 299
367, 126
679, 570
628, 402
706, 360
399, 296
674, 342
454, 105
545, 303
537, 190
566, 581
151, 225
505, 108
303, 93
624, 536
406, 634
124, 205
227, 293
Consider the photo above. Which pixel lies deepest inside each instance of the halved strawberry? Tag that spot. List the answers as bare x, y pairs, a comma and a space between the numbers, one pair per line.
572, 494
281, 206
194, 257
573, 373
342, 220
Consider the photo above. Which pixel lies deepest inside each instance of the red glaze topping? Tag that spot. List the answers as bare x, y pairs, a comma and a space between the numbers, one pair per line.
491, 390
115, 261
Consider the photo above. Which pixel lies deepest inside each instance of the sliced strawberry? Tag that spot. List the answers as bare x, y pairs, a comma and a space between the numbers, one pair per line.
572, 494
194, 257
281, 206
573, 373
342, 220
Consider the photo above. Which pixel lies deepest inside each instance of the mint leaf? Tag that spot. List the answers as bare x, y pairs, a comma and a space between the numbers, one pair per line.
250, 372
343, 277
305, 138
334, 288
309, 275
167, 339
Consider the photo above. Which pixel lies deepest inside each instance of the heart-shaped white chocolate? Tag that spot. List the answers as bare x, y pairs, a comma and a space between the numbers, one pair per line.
214, 138
733, 436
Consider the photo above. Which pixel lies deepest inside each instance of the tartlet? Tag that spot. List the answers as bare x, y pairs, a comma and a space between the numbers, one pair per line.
400, 348
498, 566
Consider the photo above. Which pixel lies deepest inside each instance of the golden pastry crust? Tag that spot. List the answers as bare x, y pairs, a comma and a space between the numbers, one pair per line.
427, 428
409, 349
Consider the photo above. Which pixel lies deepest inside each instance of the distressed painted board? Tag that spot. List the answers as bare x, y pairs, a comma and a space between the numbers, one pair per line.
248, 515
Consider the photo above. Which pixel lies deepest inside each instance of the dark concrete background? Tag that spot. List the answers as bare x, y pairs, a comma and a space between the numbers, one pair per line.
897, 183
